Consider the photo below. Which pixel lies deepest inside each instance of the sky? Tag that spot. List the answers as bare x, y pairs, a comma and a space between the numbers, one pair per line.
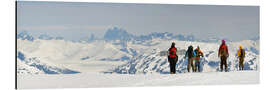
77, 20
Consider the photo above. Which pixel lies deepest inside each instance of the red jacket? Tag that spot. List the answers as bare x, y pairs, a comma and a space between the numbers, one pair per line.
223, 46
173, 50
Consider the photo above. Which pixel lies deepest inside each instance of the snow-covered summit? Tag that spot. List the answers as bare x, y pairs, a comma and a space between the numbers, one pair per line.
25, 35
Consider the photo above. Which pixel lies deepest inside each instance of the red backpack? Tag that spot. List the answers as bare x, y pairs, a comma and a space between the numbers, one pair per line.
172, 53
223, 51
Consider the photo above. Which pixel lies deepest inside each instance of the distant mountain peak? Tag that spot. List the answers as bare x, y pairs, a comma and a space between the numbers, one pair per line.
116, 33
45, 37
24, 35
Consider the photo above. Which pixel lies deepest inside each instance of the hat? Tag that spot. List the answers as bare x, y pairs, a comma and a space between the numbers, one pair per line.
173, 43
223, 41
240, 46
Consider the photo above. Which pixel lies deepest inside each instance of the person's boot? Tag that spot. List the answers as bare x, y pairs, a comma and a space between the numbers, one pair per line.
221, 69
239, 68
226, 69
221, 66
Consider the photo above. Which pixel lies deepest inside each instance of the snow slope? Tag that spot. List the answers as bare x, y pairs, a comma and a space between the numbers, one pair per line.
129, 57
151, 61
81, 57
33, 65
86, 80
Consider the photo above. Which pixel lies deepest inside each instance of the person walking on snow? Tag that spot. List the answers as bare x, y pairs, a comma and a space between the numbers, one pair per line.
241, 56
172, 58
223, 54
189, 54
197, 54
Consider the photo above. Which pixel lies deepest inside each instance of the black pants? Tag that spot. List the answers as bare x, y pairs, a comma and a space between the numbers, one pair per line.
223, 63
173, 62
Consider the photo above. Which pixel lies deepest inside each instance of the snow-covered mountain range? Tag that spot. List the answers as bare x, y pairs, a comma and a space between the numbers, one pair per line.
121, 52
120, 34
116, 33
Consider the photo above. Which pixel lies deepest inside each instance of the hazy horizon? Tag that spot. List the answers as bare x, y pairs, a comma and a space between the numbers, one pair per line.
76, 20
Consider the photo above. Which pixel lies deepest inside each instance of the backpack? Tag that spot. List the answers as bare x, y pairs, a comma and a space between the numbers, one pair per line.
194, 53
223, 51
190, 51
172, 53
197, 53
242, 53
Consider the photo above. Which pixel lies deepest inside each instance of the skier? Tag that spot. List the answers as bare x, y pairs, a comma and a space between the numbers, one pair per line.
189, 54
223, 54
241, 56
172, 58
197, 53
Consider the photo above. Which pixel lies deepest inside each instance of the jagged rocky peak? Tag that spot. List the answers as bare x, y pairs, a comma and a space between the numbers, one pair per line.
116, 33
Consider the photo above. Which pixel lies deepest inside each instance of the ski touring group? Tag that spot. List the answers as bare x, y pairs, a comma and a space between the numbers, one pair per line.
194, 57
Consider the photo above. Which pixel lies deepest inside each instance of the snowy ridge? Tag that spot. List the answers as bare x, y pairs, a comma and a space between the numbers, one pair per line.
152, 62
34, 65
76, 56
24, 35
121, 35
